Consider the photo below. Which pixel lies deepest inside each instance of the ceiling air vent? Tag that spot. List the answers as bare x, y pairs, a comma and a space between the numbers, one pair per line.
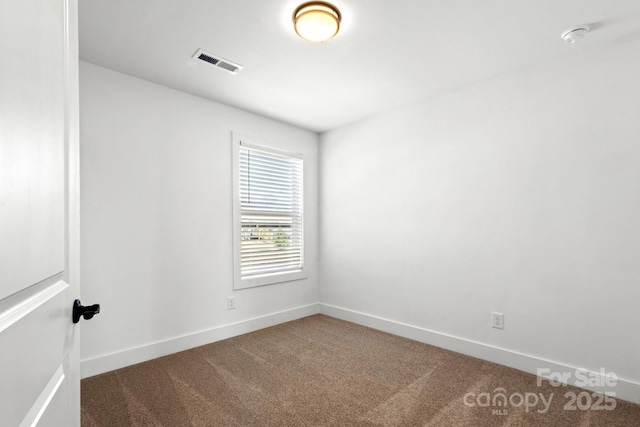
218, 61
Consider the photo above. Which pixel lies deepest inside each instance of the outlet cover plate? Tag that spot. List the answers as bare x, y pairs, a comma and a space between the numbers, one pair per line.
497, 320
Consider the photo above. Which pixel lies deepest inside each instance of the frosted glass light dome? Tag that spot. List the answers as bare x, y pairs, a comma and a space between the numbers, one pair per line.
316, 21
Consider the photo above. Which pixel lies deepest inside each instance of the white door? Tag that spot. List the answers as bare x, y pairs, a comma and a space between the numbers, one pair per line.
39, 356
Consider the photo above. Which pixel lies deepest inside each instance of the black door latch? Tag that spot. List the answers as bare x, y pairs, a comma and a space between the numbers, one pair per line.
87, 312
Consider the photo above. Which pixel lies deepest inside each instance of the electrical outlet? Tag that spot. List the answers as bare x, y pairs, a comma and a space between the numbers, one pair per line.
231, 303
497, 320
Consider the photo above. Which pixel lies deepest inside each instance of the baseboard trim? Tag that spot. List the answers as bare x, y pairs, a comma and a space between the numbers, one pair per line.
109, 362
624, 389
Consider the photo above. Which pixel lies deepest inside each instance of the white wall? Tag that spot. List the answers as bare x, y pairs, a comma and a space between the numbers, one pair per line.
156, 220
520, 195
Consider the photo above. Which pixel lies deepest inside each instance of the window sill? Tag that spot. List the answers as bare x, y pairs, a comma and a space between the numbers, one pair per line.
269, 279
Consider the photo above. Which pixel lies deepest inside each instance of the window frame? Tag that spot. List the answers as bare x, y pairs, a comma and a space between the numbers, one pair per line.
238, 141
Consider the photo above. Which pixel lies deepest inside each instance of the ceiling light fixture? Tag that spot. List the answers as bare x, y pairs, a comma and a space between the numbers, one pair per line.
573, 35
317, 21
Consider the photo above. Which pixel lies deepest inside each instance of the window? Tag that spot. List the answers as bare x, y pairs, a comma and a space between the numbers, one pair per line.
268, 215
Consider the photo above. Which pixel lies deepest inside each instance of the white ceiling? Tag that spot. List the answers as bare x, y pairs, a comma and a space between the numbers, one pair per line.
387, 54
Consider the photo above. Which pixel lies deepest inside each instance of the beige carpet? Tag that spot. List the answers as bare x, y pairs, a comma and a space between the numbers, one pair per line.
321, 371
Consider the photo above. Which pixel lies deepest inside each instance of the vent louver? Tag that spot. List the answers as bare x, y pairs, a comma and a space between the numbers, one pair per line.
218, 61
208, 58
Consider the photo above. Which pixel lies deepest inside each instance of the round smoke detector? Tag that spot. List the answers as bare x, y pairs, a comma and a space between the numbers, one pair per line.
573, 35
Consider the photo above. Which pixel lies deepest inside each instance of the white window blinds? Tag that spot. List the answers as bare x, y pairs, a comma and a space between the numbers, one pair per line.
271, 221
